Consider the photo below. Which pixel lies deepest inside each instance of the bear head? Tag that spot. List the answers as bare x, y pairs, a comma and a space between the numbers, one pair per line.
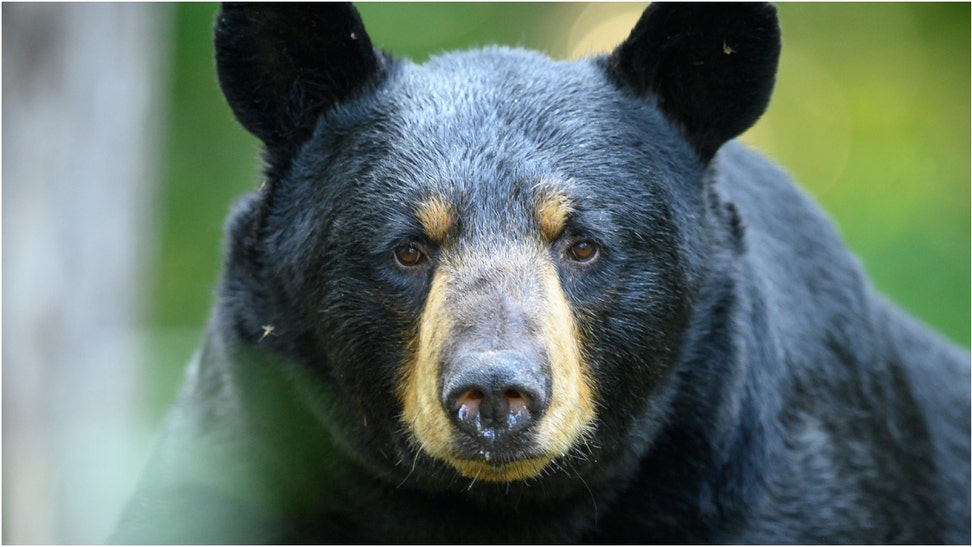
483, 265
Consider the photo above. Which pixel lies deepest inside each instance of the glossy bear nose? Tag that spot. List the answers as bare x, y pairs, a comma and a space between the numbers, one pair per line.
492, 394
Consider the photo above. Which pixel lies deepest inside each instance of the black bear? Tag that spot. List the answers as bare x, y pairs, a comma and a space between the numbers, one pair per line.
499, 298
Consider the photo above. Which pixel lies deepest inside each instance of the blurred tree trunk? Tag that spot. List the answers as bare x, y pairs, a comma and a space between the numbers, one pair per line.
81, 90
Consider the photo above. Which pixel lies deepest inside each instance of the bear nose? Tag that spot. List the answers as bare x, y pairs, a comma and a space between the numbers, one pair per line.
493, 394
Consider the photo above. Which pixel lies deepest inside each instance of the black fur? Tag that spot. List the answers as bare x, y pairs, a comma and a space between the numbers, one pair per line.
710, 67
282, 66
751, 386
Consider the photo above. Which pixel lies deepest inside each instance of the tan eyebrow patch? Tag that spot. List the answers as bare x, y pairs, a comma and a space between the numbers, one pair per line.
436, 218
552, 209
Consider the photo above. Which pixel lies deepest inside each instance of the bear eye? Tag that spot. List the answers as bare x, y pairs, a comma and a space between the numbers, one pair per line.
409, 255
583, 251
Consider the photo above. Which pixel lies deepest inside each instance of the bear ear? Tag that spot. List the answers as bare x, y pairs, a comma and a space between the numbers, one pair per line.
282, 65
710, 67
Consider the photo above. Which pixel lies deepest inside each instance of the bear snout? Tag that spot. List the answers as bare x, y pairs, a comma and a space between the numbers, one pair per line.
493, 396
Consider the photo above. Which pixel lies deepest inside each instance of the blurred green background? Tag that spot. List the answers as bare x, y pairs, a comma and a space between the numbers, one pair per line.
870, 115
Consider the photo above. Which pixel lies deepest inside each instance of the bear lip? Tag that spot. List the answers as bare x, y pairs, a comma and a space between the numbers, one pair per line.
496, 449
497, 469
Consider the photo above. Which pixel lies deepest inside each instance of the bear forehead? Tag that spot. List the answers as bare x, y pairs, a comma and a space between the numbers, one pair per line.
498, 85
507, 113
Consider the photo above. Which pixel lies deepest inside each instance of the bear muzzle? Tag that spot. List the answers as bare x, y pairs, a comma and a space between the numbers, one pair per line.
495, 385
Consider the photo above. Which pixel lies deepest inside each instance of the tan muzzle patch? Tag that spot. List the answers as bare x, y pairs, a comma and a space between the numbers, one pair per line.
570, 412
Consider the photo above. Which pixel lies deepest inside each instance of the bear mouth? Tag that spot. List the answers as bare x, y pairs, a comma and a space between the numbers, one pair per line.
489, 467
495, 449
500, 458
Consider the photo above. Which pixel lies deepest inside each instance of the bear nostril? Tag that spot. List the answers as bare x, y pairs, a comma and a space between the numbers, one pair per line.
515, 401
467, 406
517, 408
